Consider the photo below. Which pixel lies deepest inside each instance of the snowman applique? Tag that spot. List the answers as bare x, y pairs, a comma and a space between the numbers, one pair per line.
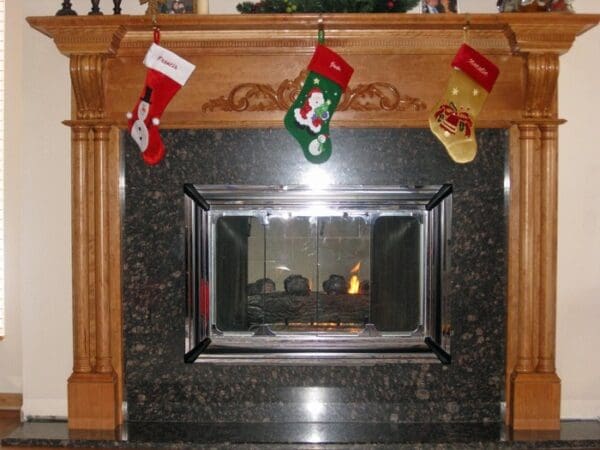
317, 146
139, 130
314, 111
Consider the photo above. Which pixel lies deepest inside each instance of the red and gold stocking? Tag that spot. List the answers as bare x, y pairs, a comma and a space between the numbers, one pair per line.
453, 118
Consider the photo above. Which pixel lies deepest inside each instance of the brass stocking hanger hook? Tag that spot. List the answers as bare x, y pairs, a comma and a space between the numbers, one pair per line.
466, 29
321, 29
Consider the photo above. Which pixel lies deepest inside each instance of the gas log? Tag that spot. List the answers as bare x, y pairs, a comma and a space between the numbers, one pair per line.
281, 307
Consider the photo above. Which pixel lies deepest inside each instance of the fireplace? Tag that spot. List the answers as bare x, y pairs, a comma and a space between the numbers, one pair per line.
250, 384
316, 270
129, 258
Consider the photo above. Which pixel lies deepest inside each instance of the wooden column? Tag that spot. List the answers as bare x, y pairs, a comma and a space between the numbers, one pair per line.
548, 238
79, 225
534, 390
527, 241
94, 387
102, 244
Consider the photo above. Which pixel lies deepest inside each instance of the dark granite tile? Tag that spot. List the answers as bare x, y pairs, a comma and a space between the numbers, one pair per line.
160, 387
585, 434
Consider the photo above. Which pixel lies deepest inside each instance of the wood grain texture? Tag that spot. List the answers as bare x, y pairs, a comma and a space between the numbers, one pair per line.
389, 53
548, 245
87, 72
535, 401
92, 403
11, 402
376, 96
96, 274
249, 69
102, 248
533, 321
542, 78
80, 140
527, 275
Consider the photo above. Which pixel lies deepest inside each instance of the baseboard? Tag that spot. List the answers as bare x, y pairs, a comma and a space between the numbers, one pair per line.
10, 414
580, 409
54, 408
11, 402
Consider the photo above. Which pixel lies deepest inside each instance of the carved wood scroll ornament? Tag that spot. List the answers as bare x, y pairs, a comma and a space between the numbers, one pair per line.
378, 96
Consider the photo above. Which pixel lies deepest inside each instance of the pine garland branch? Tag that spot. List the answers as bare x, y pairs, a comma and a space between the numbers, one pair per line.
326, 6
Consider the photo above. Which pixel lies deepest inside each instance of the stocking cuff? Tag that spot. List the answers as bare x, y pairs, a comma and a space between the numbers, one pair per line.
329, 64
476, 66
169, 64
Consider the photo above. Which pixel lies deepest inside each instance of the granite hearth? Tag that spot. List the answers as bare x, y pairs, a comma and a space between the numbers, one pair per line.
160, 387
313, 436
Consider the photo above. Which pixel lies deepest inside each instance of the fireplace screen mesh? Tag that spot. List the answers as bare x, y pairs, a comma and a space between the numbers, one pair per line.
350, 269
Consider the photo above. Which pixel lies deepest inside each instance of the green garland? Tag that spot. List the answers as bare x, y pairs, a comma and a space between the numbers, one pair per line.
326, 6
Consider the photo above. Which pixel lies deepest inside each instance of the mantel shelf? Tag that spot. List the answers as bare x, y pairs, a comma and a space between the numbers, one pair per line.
492, 33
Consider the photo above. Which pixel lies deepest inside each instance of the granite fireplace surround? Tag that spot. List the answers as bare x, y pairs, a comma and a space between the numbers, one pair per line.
160, 387
225, 126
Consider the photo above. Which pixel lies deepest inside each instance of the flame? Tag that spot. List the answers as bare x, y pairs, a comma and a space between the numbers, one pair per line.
354, 281
354, 285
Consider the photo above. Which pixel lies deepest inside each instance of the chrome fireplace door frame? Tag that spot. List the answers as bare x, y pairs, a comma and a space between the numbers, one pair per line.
205, 204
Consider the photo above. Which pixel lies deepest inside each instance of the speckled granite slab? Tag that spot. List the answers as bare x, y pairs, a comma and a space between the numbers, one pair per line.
580, 435
161, 388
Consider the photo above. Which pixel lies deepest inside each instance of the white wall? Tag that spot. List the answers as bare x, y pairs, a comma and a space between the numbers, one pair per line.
578, 331
38, 211
10, 347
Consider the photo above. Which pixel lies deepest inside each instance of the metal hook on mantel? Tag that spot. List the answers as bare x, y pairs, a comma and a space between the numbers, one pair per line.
321, 29
155, 29
466, 29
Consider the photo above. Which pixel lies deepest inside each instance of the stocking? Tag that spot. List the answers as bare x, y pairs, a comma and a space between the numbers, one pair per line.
453, 118
167, 73
308, 118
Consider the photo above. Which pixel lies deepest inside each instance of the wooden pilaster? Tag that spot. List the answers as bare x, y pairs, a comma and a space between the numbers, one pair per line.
534, 390
527, 238
94, 389
548, 238
102, 245
79, 215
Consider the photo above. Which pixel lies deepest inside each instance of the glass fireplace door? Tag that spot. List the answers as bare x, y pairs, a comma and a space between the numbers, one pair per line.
349, 271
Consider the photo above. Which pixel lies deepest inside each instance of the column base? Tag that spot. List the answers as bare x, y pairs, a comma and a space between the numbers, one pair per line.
93, 401
535, 401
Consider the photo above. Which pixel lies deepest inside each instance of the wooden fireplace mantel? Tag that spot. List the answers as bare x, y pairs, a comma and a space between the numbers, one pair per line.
249, 69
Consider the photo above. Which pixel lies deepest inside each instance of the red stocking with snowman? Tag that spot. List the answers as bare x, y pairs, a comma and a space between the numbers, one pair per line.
167, 73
